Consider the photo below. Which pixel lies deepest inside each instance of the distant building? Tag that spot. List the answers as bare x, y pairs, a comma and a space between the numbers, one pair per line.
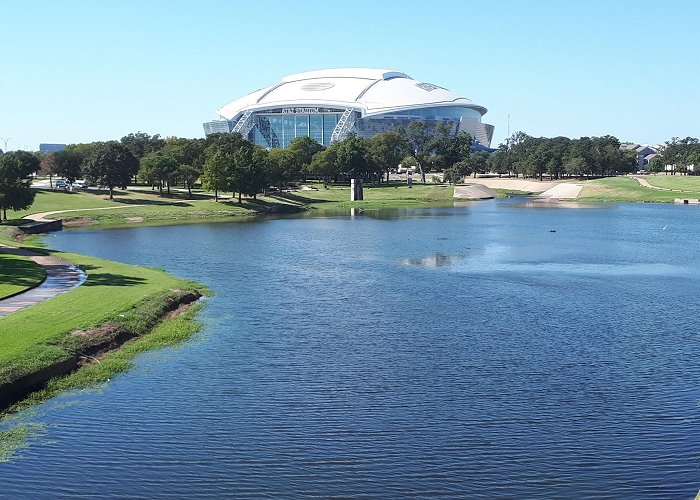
51, 148
645, 153
326, 105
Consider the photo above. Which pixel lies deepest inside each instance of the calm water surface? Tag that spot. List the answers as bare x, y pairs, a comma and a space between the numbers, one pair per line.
462, 352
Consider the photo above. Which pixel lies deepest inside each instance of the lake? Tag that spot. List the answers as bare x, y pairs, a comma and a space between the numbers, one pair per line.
454, 352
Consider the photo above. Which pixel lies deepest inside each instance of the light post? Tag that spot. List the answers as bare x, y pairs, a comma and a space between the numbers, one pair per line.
5, 141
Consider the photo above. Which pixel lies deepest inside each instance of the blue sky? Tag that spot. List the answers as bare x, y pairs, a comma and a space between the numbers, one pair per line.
82, 71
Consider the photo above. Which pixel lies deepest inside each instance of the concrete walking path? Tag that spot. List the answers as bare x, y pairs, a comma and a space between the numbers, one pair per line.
61, 277
42, 216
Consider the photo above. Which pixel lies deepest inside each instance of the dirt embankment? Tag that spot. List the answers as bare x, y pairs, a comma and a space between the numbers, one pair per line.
92, 344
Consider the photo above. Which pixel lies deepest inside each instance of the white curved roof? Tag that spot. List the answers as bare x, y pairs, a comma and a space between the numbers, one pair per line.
370, 91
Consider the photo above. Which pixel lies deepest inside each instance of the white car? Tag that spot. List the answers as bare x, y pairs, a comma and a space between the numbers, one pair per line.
80, 184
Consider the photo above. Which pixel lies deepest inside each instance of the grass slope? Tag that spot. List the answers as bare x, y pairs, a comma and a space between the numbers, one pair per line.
39, 336
627, 189
18, 274
181, 208
16, 434
685, 183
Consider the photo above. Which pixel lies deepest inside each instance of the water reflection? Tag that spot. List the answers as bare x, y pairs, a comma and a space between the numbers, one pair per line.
434, 260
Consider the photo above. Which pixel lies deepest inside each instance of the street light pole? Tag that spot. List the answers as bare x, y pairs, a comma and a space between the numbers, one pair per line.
5, 141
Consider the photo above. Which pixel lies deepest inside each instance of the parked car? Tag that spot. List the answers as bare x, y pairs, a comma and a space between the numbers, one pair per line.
62, 184
80, 184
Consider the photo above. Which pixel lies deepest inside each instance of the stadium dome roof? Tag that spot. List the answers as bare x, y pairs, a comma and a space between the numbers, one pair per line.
371, 91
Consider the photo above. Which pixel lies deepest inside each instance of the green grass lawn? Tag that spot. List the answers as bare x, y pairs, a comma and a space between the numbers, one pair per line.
40, 335
625, 189
181, 208
686, 183
46, 201
18, 274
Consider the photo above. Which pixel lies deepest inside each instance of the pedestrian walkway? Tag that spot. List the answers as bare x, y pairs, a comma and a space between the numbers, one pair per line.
61, 277
44, 216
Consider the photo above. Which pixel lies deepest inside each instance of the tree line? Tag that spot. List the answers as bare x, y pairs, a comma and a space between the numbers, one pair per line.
231, 163
560, 157
678, 156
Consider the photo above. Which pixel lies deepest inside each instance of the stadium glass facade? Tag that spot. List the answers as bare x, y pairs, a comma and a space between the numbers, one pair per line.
326, 105
276, 128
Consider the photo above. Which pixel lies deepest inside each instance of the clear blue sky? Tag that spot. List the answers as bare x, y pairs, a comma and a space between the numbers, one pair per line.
81, 71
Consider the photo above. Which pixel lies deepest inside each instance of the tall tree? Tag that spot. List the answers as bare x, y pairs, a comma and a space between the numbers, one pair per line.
49, 167
140, 144
158, 168
216, 172
189, 155
254, 165
70, 161
354, 157
388, 149
16, 169
283, 166
111, 165
305, 148
324, 163
420, 143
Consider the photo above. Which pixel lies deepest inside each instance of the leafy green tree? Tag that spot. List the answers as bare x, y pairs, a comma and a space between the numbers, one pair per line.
682, 154
158, 168
656, 165
216, 172
576, 166
189, 156
16, 170
141, 144
254, 165
111, 165
354, 157
448, 148
70, 162
420, 143
476, 163
409, 161
498, 162
388, 149
305, 148
285, 164
324, 163
453, 174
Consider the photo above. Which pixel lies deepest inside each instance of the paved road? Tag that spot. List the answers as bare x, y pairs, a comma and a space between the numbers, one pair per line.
61, 276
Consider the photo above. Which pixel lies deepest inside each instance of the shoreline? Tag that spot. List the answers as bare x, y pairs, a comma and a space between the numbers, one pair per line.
119, 303
284, 207
99, 341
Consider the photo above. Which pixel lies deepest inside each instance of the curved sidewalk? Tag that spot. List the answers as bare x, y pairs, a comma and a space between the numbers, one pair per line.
61, 276
42, 216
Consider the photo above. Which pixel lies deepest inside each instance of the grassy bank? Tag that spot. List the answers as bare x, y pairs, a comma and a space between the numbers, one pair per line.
169, 333
675, 182
627, 189
116, 293
141, 206
16, 434
18, 274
